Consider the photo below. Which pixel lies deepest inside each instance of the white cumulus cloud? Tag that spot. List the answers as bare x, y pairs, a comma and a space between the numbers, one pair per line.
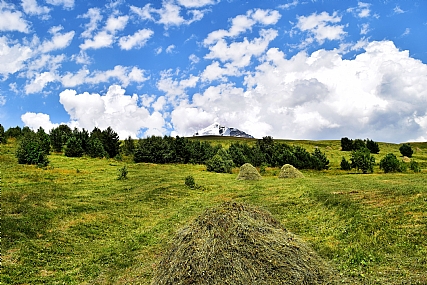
137, 40
380, 94
12, 20
36, 120
115, 109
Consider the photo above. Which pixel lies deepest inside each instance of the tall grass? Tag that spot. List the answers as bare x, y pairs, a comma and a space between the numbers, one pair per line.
74, 222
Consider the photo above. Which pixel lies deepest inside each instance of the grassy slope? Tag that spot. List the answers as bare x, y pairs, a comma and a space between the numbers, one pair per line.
75, 223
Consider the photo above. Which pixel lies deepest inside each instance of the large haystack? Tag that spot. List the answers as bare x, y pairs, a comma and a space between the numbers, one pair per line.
248, 172
288, 171
239, 244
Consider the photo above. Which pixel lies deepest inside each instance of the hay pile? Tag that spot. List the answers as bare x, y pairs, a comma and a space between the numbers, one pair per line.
288, 171
248, 172
239, 244
406, 159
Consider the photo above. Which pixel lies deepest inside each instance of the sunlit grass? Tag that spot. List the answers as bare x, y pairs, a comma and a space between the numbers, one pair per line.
76, 223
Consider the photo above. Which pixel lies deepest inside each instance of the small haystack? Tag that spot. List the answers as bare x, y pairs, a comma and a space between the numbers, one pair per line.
406, 159
248, 172
288, 171
239, 244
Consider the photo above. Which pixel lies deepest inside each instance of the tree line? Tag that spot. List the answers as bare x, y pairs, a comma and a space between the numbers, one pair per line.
34, 146
265, 151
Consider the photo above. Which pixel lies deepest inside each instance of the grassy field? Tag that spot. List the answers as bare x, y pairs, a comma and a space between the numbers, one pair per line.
75, 223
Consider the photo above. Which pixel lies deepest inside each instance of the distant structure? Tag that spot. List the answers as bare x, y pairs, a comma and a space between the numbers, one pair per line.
217, 130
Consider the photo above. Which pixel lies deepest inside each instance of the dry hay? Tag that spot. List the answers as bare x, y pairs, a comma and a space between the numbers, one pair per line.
248, 172
288, 171
239, 244
329, 148
406, 159
417, 149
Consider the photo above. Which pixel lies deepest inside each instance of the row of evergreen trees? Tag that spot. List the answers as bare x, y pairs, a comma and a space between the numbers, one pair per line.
357, 144
35, 146
264, 152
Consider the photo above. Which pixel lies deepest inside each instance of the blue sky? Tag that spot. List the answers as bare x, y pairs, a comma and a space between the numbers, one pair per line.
289, 69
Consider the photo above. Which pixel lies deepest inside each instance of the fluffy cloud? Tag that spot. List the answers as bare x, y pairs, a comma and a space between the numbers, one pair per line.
116, 109
37, 120
12, 56
196, 3
137, 40
11, 20
58, 41
243, 23
321, 27
378, 94
362, 10
169, 14
105, 37
32, 8
67, 4
125, 75
40, 82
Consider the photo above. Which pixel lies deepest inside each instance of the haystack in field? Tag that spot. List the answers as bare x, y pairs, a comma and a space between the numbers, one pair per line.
406, 159
248, 172
239, 244
288, 171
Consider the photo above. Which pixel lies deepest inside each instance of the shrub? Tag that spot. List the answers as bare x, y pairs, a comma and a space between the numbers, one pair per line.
303, 158
15, 132
123, 173
390, 163
346, 144
111, 142
59, 137
361, 159
128, 146
319, 160
372, 146
406, 150
358, 144
345, 165
73, 148
190, 182
30, 151
219, 165
44, 140
95, 148
2, 135
414, 166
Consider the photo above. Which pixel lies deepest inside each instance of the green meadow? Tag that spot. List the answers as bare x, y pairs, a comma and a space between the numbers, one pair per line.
74, 222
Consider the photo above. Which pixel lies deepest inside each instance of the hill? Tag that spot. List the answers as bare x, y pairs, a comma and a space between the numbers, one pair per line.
73, 222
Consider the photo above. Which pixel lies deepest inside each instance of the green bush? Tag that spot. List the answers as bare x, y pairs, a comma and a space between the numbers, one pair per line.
390, 163
406, 150
95, 148
220, 162
2, 135
128, 146
414, 166
361, 159
319, 160
73, 148
31, 151
123, 173
346, 144
190, 182
345, 165
372, 146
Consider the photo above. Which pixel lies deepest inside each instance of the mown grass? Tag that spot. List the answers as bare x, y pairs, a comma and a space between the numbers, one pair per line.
75, 223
